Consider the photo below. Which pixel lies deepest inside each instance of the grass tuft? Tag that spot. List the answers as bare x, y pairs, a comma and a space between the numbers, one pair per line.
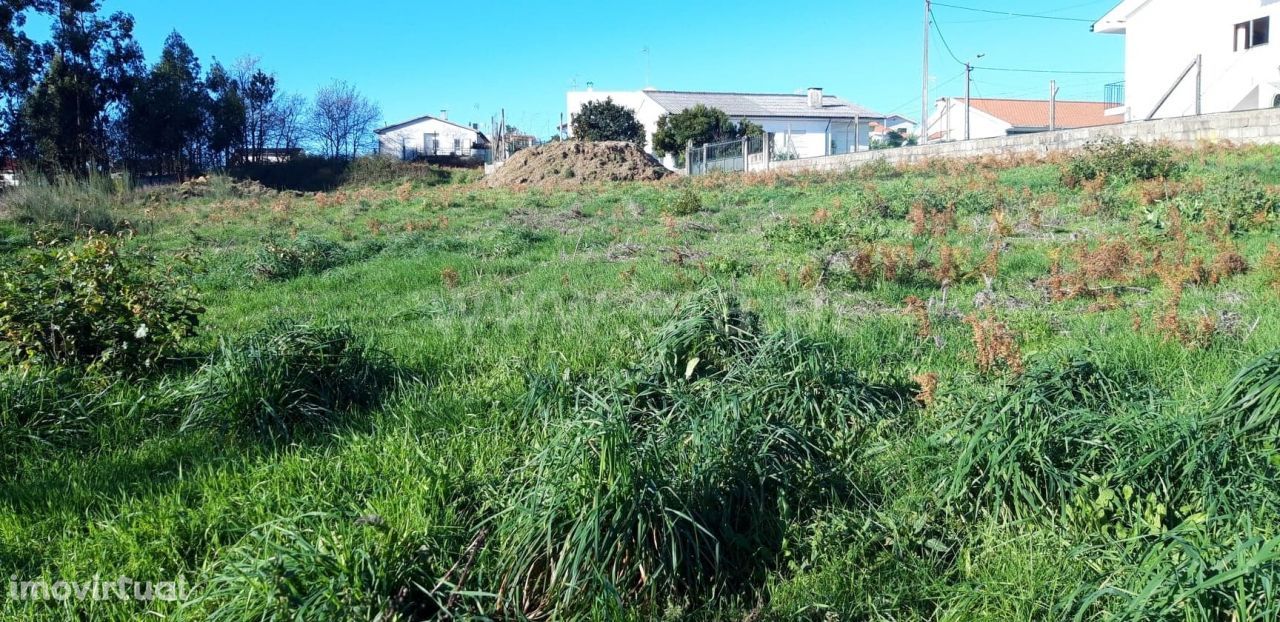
288, 378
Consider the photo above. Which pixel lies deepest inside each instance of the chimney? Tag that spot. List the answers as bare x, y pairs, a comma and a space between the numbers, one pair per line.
444, 114
815, 97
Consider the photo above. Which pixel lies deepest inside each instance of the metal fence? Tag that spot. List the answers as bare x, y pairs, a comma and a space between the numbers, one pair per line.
735, 155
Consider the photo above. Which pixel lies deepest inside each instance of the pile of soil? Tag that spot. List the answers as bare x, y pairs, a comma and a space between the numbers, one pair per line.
576, 163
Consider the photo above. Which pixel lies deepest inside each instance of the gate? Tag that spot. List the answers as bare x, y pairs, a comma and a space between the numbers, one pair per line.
742, 155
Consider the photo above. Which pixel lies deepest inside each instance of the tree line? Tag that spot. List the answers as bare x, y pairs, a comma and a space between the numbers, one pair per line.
85, 101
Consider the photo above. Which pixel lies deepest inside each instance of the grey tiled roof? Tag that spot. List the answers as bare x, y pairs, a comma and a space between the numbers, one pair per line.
761, 104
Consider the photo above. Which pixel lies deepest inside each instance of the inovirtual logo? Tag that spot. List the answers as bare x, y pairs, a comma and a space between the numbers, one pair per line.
122, 588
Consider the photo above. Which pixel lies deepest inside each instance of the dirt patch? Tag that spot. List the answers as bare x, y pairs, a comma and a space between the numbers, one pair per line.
575, 163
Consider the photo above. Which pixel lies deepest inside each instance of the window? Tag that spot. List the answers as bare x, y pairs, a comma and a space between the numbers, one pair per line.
1254, 33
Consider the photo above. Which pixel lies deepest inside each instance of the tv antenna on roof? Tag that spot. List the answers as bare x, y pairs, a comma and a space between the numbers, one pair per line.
648, 68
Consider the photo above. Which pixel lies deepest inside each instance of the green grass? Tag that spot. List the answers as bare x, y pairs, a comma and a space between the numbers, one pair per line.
603, 403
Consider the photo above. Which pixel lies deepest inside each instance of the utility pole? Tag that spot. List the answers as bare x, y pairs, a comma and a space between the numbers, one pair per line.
1053, 105
968, 86
1199, 84
924, 87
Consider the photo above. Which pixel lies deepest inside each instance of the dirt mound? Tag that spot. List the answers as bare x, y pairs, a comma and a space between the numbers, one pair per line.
577, 163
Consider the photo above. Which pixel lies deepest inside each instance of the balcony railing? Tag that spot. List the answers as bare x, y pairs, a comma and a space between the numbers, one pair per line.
1113, 94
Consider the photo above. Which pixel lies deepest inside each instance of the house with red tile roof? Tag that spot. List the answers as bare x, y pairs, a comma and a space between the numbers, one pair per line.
990, 118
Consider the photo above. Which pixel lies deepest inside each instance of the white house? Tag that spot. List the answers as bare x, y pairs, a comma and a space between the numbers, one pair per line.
990, 118
1240, 65
802, 125
8, 174
430, 136
893, 123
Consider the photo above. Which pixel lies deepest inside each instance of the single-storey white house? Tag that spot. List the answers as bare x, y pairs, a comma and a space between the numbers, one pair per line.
800, 125
990, 118
1240, 64
430, 136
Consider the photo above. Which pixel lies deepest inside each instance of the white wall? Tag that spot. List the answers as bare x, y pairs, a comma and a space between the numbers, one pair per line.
1164, 36
948, 119
810, 138
413, 138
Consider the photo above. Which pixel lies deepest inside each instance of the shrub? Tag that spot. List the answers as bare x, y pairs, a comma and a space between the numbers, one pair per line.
94, 302
1118, 161
286, 259
686, 203
319, 174
288, 378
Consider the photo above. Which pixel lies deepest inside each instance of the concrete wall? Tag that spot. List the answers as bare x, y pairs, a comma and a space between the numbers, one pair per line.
1252, 127
1162, 38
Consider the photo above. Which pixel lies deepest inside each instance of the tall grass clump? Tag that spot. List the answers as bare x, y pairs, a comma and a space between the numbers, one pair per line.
315, 567
288, 378
42, 412
674, 483
1251, 401
1026, 449
66, 203
1219, 570
280, 260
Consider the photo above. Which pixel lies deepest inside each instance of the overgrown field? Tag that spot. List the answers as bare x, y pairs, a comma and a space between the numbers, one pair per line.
989, 390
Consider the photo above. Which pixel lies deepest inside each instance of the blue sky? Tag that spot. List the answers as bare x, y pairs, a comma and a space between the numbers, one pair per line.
472, 58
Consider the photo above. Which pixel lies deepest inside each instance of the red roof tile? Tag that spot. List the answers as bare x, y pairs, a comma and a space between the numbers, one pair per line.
1035, 112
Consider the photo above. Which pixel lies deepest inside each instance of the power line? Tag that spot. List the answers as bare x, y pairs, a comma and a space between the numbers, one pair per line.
947, 45
943, 37
1078, 73
1010, 14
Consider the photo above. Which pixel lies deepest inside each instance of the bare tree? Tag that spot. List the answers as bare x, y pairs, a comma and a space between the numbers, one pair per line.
258, 91
341, 119
285, 126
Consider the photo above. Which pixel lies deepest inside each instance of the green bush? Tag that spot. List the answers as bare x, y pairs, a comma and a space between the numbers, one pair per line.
1118, 161
686, 203
288, 378
1240, 203
94, 302
280, 260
